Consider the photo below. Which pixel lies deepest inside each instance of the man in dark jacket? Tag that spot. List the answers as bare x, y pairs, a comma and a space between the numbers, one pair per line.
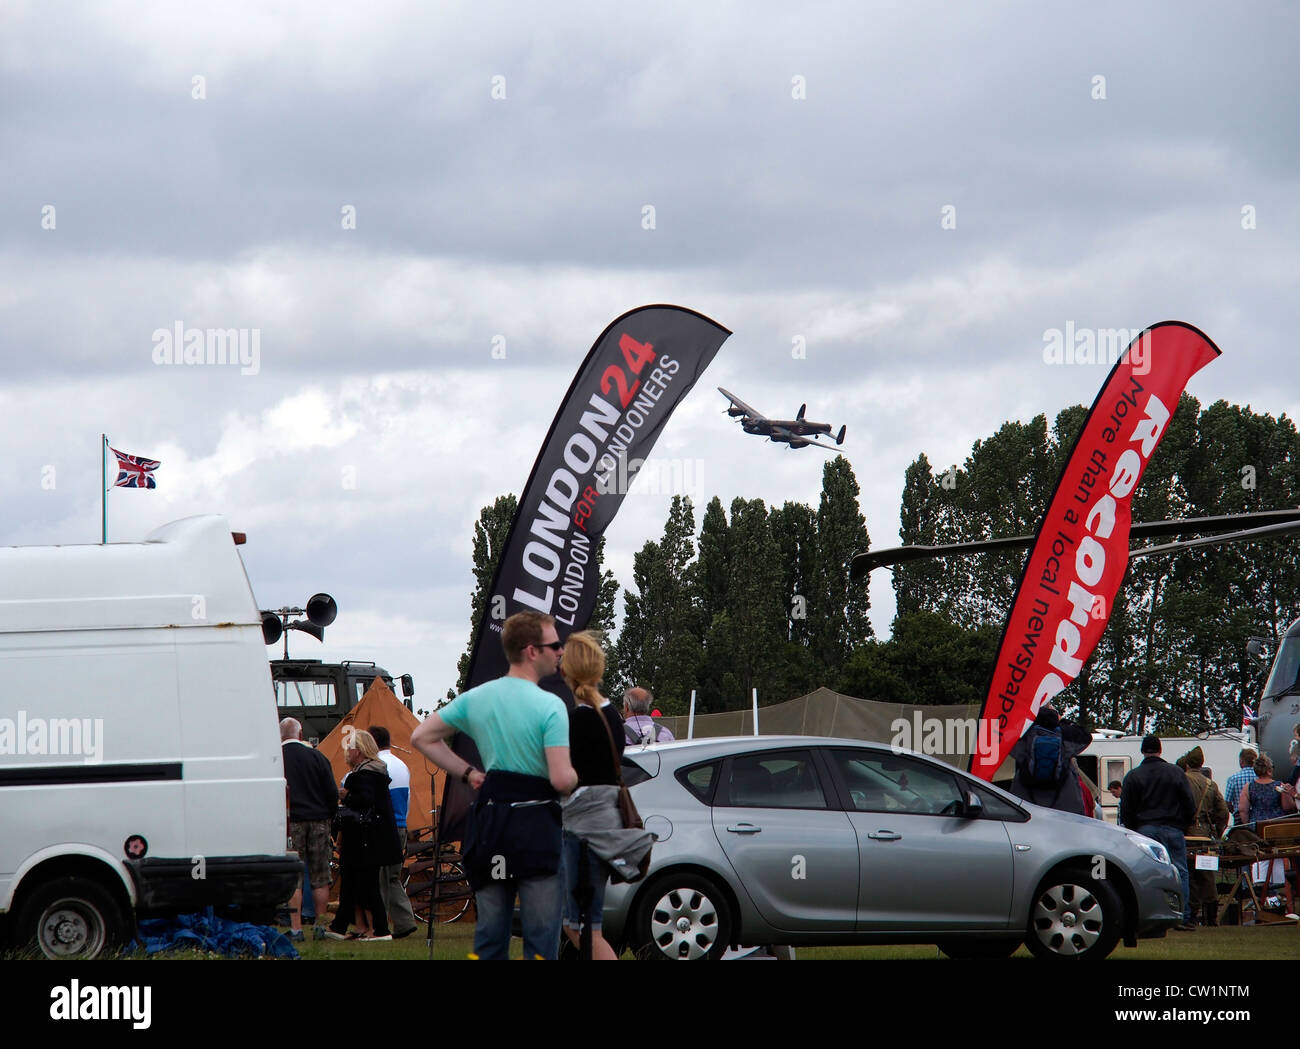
313, 797
1044, 756
1156, 801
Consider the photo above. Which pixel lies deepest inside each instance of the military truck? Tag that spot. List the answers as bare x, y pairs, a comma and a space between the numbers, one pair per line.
319, 694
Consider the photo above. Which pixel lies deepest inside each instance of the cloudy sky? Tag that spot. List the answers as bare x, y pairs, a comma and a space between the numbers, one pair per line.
917, 193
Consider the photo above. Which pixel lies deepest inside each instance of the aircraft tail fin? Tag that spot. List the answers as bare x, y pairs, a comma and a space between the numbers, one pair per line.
802, 408
840, 438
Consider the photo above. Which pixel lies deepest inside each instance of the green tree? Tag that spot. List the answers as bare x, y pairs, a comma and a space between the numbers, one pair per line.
928, 659
794, 533
713, 570
838, 609
490, 532
746, 641
603, 620
659, 646
1171, 658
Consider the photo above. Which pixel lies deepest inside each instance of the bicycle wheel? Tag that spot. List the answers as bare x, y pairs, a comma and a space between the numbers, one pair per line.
454, 893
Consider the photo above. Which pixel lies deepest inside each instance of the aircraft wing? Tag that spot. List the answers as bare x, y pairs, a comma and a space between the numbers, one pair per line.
736, 402
796, 440
804, 442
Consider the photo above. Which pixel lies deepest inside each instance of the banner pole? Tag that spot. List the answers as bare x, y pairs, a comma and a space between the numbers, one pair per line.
103, 488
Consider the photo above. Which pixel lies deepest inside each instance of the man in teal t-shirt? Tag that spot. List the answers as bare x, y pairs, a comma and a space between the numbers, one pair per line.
519, 729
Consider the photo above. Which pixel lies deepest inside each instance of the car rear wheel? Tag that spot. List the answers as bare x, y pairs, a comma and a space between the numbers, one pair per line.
682, 917
71, 918
1074, 915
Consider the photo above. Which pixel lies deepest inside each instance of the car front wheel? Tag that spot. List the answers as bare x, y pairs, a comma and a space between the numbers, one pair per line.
682, 917
1074, 915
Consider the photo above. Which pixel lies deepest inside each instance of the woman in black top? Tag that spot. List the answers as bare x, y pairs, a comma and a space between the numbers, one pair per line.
367, 841
595, 738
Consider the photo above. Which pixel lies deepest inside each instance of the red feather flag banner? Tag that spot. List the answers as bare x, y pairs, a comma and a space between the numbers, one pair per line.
1080, 553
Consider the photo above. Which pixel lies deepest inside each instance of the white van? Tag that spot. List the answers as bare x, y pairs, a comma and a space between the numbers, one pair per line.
140, 766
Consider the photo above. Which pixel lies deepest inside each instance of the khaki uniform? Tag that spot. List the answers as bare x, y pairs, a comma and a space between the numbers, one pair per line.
1210, 821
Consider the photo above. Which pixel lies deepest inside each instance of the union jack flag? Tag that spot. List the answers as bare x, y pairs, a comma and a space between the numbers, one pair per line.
134, 471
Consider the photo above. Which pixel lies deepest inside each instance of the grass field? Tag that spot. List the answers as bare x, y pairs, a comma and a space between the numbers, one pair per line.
454, 942
1220, 944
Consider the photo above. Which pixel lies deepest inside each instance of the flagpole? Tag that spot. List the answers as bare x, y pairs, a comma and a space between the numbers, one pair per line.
103, 487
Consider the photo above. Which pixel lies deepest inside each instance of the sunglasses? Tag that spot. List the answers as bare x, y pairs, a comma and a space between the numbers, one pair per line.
554, 646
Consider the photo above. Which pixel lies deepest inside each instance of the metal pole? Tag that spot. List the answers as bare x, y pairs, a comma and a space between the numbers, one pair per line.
103, 487
585, 893
437, 853
690, 721
756, 712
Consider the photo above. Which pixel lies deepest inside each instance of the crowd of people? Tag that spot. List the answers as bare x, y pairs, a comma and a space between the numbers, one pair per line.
548, 825
366, 816
1179, 805
548, 795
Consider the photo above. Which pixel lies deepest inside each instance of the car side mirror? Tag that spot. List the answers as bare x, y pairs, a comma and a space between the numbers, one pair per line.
974, 806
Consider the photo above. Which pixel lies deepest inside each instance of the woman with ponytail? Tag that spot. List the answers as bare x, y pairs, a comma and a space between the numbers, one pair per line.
595, 745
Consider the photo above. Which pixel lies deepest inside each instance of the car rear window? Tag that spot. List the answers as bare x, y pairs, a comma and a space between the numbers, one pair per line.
632, 772
700, 779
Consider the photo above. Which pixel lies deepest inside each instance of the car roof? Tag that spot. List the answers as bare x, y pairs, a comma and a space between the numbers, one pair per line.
679, 752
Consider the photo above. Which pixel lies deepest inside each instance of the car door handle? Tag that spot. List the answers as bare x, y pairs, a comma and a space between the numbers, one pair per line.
745, 828
885, 835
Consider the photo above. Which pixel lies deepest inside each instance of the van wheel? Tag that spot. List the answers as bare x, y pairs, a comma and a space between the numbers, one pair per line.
71, 918
1074, 915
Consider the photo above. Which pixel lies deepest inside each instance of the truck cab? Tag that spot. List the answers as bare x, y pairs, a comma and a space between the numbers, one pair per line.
319, 694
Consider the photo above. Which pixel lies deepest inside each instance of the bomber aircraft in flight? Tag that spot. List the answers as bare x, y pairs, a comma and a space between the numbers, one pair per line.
797, 432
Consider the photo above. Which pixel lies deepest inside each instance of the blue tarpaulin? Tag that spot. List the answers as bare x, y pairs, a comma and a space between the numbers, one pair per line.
207, 932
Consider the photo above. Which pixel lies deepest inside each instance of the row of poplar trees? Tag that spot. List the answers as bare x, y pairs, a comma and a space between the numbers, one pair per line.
1173, 657
759, 597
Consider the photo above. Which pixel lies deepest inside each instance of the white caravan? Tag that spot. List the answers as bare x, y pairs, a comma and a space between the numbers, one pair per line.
1112, 755
140, 766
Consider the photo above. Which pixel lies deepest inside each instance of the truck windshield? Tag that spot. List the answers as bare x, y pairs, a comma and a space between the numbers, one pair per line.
294, 695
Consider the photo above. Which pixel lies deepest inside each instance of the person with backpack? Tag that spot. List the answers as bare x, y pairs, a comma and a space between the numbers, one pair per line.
1044, 757
638, 726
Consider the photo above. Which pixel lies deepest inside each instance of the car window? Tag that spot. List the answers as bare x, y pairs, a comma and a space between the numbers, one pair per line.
304, 694
699, 779
771, 780
890, 783
632, 772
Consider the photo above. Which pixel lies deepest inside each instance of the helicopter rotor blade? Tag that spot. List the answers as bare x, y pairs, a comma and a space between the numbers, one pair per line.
1244, 536
1275, 522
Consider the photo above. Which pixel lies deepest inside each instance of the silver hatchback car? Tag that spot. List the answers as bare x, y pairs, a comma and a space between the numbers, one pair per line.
804, 841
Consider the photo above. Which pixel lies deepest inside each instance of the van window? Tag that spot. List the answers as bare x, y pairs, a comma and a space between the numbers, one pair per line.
294, 695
